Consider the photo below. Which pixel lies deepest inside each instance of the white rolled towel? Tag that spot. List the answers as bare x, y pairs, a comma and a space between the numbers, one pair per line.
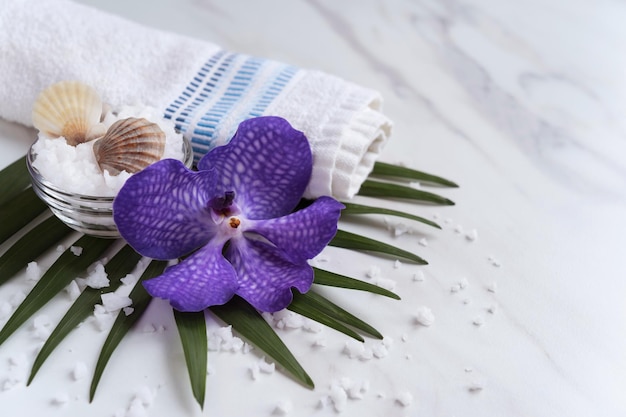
205, 90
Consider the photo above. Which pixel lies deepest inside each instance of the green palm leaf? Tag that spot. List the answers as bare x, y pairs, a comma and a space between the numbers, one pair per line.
21, 210
322, 304
353, 241
14, 178
301, 306
192, 331
123, 323
67, 267
30, 246
250, 325
332, 279
382, 169
371, 188
117, 268
352, 209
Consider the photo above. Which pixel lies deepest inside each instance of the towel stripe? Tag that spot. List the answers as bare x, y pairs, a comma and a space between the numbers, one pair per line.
228, 89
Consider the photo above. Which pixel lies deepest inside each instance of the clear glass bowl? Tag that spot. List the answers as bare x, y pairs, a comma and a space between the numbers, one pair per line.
92, 215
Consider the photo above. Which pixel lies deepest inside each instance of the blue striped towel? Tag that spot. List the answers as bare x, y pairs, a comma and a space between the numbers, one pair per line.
205, 90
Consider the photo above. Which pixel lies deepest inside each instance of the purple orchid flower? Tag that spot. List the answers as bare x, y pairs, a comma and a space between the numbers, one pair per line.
236, 213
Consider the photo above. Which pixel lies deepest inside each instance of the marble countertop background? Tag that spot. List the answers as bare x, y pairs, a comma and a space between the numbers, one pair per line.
521, 103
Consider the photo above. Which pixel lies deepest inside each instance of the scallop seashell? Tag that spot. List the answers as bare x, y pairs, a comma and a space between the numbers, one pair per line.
70, 109
129, 145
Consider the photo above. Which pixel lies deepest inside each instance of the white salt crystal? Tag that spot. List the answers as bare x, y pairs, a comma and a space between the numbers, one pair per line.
366, 355
60, 399
282, 408
424, 316
79, 371
97, 278
386, 283
463, 283
266, 367
254, 371
476, 386
458, 229
312, 326
128, 310
397, 264
113, 302
129, 279
493, 287
76, 250
380, 351
210, 369
423, 242
400, 229
353, 349
455, 288
136, 409
320, 343
72, 290
405, 337
339, 398
478, 321
492, 309
18, 361
9, 384
416, 185
472, 235
33, 271
387, 341
355, 390
404, 398
418, 276
247, 348
148, 328
145, 395
373, 272
41, 327
60, 249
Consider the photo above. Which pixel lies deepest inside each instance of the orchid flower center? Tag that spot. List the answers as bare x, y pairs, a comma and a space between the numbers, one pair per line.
234, 222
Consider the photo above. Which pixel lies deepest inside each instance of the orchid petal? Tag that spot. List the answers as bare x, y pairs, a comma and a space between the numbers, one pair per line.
265, 277
305, 233
267, 163
203, 279
162, 211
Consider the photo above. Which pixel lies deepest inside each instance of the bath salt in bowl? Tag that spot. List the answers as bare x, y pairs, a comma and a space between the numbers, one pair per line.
78, 170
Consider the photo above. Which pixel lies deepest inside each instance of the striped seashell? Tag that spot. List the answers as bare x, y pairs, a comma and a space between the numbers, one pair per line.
129, 145
70, 109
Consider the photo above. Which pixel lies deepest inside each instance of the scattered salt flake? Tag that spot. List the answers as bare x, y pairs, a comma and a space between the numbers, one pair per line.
423, 242
424, 316
145, 395
418, 276
404, 337
113, 302
76, 250
247, 348
397, 264
282, 408
210, 369
41, 327
160, 328
478, 321
355, 390
400, 229
79, 371
148, 328
380, 351
472, 235
353, 349
469, 370
60, 248
97, 278
455, 288
18, 361
312, 326
415, 184
33, 271
128, 311
404, 398
386, 283
320, 343
60, 399
463, 283
266, 367
73, 290
9, 384
373, 271
493, 287
458, 229
492, 309
136, 409
129, 279
338, 397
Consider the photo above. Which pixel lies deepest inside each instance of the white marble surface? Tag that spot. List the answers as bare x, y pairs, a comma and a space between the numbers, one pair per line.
522, 103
